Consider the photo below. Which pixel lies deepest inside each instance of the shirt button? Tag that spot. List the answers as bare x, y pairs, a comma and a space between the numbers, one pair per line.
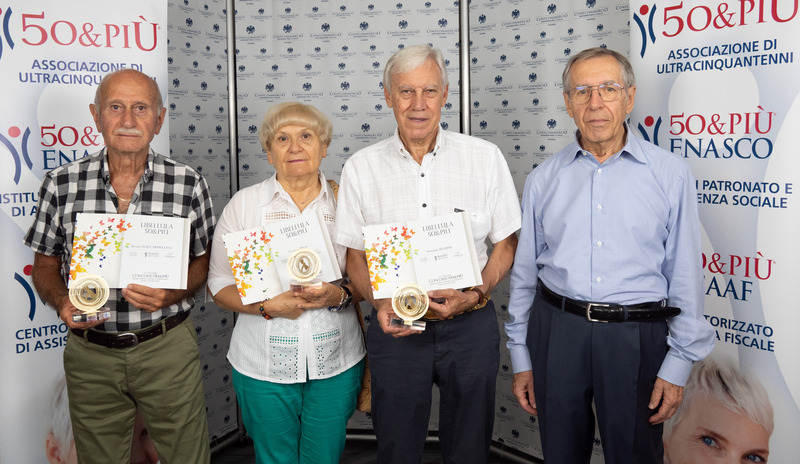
424, 205
599, 171
422, 175
599, 279
599, 243
599, 207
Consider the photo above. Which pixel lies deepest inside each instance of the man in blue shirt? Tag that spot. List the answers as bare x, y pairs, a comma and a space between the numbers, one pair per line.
606, 290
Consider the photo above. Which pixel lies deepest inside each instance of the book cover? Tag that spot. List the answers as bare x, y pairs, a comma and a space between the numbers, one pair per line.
156, 252
435, 253
445, 256
97, 246
252, 262
258, 255
307, 230
123, 249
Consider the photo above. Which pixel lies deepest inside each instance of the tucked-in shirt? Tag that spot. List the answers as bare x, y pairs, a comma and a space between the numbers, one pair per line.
167, 188
320, 342
625, 231
383, 184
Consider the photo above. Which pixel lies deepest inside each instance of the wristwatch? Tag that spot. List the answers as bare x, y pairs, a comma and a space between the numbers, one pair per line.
347, 299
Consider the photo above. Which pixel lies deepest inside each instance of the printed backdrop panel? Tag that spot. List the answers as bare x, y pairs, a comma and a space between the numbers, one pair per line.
52, 56
718, 86
198, 112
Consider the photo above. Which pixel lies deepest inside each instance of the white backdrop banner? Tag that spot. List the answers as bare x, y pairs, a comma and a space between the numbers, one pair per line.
718, 86
52, 56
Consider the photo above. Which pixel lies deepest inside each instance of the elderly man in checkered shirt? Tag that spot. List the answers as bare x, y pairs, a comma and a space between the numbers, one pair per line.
145, 354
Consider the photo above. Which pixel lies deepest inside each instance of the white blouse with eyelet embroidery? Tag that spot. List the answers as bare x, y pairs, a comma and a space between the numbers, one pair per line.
320, 343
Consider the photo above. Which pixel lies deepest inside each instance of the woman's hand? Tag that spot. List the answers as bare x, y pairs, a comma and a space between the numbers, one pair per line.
320, 296
285, 305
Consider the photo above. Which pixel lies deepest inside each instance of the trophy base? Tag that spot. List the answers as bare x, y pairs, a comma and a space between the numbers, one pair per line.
417, 325
296, 286
91, 317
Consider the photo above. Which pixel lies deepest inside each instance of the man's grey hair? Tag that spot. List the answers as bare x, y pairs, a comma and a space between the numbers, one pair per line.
99, 93
411, 58
629, 80
722, 380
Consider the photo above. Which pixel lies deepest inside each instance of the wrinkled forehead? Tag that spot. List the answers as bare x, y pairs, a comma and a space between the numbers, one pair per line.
129, 88
594, 71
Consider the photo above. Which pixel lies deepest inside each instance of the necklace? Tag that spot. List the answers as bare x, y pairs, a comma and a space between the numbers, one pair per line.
123, 200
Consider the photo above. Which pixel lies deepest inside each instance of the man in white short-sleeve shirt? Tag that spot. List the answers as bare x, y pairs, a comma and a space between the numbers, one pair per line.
423, 172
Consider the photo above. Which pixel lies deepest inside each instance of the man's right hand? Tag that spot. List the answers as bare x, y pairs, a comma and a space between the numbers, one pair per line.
53, 290
522, 387
67, 310
385, 316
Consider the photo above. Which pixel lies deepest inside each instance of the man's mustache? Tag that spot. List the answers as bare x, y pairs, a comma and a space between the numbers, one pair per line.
127, 132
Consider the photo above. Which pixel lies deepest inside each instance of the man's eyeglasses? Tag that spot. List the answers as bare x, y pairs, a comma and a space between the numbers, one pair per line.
608, 92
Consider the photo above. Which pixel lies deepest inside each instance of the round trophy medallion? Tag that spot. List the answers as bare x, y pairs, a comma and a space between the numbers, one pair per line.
410, 302
89, 293
304, 265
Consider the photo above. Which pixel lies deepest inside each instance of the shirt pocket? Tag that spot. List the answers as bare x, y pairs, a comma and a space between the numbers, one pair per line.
480, 224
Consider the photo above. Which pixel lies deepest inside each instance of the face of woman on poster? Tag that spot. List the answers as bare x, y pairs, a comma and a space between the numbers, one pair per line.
710, 433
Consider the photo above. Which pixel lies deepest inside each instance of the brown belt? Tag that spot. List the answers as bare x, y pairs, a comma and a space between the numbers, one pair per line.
609, 312
129, 339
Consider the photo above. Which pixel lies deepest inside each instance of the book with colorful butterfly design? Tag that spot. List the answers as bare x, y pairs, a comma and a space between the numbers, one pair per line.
125, 249
434, 253
258, 256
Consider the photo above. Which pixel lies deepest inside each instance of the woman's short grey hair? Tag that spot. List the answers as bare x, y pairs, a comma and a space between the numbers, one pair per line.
722, 380
411, 58
629, 80
294, 114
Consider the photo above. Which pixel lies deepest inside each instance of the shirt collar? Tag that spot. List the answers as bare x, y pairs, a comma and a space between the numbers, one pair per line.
148, 169
630, 148
401, 149
272, 188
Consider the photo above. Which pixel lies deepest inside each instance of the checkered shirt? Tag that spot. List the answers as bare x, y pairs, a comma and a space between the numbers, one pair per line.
167, 188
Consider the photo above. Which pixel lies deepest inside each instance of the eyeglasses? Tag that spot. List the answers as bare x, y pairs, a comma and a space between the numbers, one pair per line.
608, 93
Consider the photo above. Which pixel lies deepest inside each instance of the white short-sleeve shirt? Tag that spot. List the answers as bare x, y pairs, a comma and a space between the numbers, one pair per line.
383, 184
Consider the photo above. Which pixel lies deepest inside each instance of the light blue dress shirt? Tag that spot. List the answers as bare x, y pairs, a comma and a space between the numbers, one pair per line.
625, 231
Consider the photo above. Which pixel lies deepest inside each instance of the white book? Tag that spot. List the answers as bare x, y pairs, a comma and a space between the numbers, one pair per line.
434, 253
123, 249
307, 230
258, 255
156, 252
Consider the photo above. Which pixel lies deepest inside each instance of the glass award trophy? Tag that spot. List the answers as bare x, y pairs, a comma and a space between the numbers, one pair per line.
410, 303
89, 294
304, 266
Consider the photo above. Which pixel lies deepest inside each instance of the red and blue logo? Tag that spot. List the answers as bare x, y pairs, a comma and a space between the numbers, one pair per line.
6, 33
28, 289
651, 134
14, 132
649, 14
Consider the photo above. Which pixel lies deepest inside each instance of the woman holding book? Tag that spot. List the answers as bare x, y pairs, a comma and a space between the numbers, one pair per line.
297, 357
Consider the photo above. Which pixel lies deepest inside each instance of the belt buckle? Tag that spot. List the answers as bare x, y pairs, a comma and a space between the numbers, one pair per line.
589, 311
129, 335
